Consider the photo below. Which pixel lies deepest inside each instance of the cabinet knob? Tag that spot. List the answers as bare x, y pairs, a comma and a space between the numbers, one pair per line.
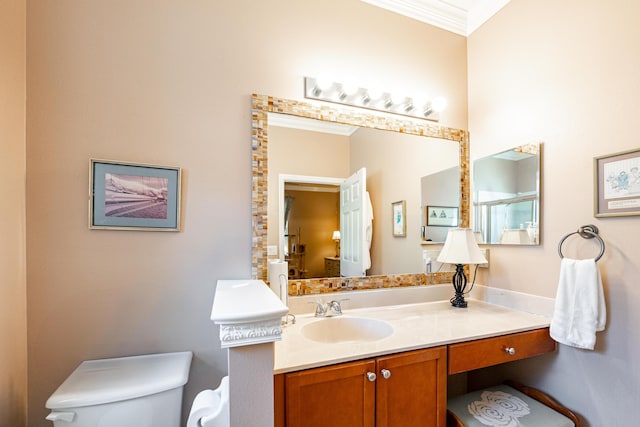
510, 350
371, 376
386, 374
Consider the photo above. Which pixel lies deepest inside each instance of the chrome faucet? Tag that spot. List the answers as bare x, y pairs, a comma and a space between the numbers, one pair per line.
330, 309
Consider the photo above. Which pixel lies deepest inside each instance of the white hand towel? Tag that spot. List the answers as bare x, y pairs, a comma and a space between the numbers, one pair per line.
368, 220
580, 309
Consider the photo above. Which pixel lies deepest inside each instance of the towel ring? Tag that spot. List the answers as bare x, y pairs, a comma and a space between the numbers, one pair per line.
586, 232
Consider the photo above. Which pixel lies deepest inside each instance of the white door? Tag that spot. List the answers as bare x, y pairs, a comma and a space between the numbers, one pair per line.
352, 225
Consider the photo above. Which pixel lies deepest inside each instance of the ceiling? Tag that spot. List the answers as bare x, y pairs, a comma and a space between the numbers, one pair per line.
458, 16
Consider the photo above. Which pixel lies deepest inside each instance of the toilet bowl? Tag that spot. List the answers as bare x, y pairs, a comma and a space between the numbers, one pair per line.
140, 391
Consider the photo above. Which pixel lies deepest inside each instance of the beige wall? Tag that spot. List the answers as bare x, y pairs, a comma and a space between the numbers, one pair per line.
169, 82
566, 73
13, 285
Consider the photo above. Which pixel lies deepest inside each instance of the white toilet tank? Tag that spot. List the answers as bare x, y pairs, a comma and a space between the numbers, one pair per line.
136, 391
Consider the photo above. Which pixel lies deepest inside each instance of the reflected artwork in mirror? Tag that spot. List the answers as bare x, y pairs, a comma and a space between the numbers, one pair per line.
292, 164
439, 189
506, 196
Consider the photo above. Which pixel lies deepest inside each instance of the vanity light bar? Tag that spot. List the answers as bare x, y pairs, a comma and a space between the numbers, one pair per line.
339, 93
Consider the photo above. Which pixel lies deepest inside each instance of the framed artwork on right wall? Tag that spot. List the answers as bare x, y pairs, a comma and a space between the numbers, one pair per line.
617, 184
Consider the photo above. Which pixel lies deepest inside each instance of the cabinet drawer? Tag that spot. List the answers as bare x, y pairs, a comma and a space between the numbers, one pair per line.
477, 354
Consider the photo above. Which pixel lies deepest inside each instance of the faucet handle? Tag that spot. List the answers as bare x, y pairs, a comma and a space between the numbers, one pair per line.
335, 306
320, 310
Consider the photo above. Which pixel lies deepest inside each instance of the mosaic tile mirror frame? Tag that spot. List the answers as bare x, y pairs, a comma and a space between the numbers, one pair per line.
262, 105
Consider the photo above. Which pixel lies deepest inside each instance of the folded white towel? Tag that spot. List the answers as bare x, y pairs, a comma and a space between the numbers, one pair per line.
580, 308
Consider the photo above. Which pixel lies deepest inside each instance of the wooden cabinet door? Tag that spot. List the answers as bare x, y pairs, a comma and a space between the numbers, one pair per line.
415, 392
336, 396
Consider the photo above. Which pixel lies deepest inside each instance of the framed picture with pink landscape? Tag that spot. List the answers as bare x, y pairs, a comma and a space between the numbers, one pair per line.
617, 184
134, 196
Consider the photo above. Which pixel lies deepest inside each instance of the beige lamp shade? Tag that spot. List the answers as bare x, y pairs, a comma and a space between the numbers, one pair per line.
461, 248
336, 235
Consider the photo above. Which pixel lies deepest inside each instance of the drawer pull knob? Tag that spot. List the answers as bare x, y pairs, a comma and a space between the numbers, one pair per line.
386, 374
510, 350
371, 376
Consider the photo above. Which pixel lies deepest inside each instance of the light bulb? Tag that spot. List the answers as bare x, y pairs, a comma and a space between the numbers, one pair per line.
420, 99
374, 92
396, 98
349, 87
324, 82
439, 104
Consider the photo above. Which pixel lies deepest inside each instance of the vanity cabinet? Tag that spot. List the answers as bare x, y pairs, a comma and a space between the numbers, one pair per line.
405, 389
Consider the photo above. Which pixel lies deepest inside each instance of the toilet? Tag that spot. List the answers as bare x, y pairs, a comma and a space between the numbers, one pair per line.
140, 391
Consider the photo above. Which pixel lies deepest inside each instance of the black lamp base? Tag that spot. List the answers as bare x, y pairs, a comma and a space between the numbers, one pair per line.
458, 301
459, 285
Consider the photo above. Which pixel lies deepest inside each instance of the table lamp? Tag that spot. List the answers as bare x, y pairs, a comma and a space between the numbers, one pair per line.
460, 248
336, 238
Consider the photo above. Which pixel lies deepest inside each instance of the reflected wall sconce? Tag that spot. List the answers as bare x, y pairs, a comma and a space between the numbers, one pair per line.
460, 248
336, 238
354, 96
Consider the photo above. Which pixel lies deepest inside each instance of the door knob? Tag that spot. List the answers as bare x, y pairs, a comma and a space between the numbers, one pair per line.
371, 376
386, 374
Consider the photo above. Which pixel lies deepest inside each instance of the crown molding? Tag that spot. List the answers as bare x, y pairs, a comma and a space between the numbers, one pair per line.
434, 12
458, 16
482, 12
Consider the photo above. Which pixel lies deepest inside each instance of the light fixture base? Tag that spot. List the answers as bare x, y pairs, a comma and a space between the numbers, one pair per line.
362, 98
459, 285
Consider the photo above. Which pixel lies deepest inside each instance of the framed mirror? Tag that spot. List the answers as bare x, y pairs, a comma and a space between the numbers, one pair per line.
506, 196
268, 173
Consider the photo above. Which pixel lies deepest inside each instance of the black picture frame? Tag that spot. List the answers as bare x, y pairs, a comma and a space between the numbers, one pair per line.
442, 216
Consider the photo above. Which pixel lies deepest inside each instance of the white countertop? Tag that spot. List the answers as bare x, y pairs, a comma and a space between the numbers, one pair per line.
416, 326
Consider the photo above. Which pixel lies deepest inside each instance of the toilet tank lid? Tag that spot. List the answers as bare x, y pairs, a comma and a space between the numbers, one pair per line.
96, 382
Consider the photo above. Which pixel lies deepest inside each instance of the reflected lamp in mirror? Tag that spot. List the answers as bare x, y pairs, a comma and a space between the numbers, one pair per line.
516, 237
460, 248
336, 238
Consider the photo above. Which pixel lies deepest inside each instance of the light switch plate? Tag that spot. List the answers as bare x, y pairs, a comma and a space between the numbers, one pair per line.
272, 250
438, 266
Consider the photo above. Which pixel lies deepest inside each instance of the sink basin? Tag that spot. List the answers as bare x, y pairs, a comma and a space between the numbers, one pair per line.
347, 329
